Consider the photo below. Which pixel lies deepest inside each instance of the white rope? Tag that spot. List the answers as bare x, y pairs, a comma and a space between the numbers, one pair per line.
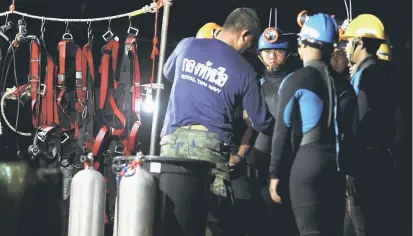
347, 11
146, 9
9, 95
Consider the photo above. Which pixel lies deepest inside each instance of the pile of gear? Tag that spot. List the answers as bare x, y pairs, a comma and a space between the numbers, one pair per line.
75, 113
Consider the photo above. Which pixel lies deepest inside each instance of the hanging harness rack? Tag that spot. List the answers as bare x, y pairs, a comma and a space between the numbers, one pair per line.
151, 8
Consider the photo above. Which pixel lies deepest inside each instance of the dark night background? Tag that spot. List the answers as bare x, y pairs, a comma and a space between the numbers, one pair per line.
186, 17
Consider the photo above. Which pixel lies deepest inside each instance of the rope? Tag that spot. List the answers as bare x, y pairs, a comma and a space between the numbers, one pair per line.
155, 50
9, 94
152, 8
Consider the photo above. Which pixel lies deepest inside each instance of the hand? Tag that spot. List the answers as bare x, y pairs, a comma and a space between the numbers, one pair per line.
233, 161
273, 191
351, 186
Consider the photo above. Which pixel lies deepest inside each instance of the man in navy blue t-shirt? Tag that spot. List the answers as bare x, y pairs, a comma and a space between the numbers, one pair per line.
210, 81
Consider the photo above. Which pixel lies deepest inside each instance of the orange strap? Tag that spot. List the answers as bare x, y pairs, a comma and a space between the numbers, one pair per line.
80, 82
111, 48
48, 99
130, 145
136, 86
136, 97
87, 64
80, 90
55, 107
34, 78
98, 140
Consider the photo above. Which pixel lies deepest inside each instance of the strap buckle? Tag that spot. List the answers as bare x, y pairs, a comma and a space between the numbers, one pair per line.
107, 35
42, 89
84, 112
66, 138
68, 36
133, 31
41, 136
86, 94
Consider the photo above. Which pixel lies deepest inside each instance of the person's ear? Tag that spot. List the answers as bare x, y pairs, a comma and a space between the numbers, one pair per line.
244, 35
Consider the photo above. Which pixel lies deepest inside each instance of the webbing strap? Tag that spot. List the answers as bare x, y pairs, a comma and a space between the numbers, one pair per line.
61, 87
110, 51
80, 83
34, 78
88, 76
49, 99
136, 87
80, 97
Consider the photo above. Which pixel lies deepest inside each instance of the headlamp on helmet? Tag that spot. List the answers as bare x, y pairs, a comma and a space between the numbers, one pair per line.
272, 38
318, 29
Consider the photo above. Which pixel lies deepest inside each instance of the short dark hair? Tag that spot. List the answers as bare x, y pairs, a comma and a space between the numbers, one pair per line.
371, 45
243, 19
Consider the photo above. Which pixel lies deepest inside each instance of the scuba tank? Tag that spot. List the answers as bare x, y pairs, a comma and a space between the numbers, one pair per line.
135, 204
87, 201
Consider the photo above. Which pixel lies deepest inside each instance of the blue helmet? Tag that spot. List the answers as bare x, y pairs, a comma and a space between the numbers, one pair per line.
272, 38
321, 28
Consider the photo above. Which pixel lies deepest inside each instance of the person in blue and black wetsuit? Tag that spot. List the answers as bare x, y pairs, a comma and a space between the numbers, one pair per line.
275, 52
317, 188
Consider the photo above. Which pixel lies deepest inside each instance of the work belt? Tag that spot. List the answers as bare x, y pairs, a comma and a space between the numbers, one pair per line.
195, 127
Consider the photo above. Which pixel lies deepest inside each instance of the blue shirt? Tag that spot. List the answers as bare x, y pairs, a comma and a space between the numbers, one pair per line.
210, 80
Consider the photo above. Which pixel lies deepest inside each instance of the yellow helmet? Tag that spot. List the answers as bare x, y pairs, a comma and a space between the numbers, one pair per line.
208, 31
384, 53
365, 26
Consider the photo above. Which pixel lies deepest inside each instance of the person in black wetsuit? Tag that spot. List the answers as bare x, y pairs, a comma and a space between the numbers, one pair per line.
316, 186
376, 127
353, 221
270, 218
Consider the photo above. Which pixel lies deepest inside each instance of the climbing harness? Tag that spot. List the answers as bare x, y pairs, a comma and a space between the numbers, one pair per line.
125, 102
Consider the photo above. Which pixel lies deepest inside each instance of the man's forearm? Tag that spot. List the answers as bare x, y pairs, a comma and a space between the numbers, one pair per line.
246, 142
247, 138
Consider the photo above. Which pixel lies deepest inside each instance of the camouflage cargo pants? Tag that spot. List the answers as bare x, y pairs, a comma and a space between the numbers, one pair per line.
195, 142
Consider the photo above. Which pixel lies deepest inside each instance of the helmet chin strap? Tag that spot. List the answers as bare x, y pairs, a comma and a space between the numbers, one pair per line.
279, 67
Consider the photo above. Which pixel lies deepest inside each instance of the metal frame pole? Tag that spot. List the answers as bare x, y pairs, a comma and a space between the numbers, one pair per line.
164, 36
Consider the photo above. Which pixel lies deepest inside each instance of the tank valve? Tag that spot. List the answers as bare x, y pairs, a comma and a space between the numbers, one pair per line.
34, 151
86, 158
90, 156
83, 158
